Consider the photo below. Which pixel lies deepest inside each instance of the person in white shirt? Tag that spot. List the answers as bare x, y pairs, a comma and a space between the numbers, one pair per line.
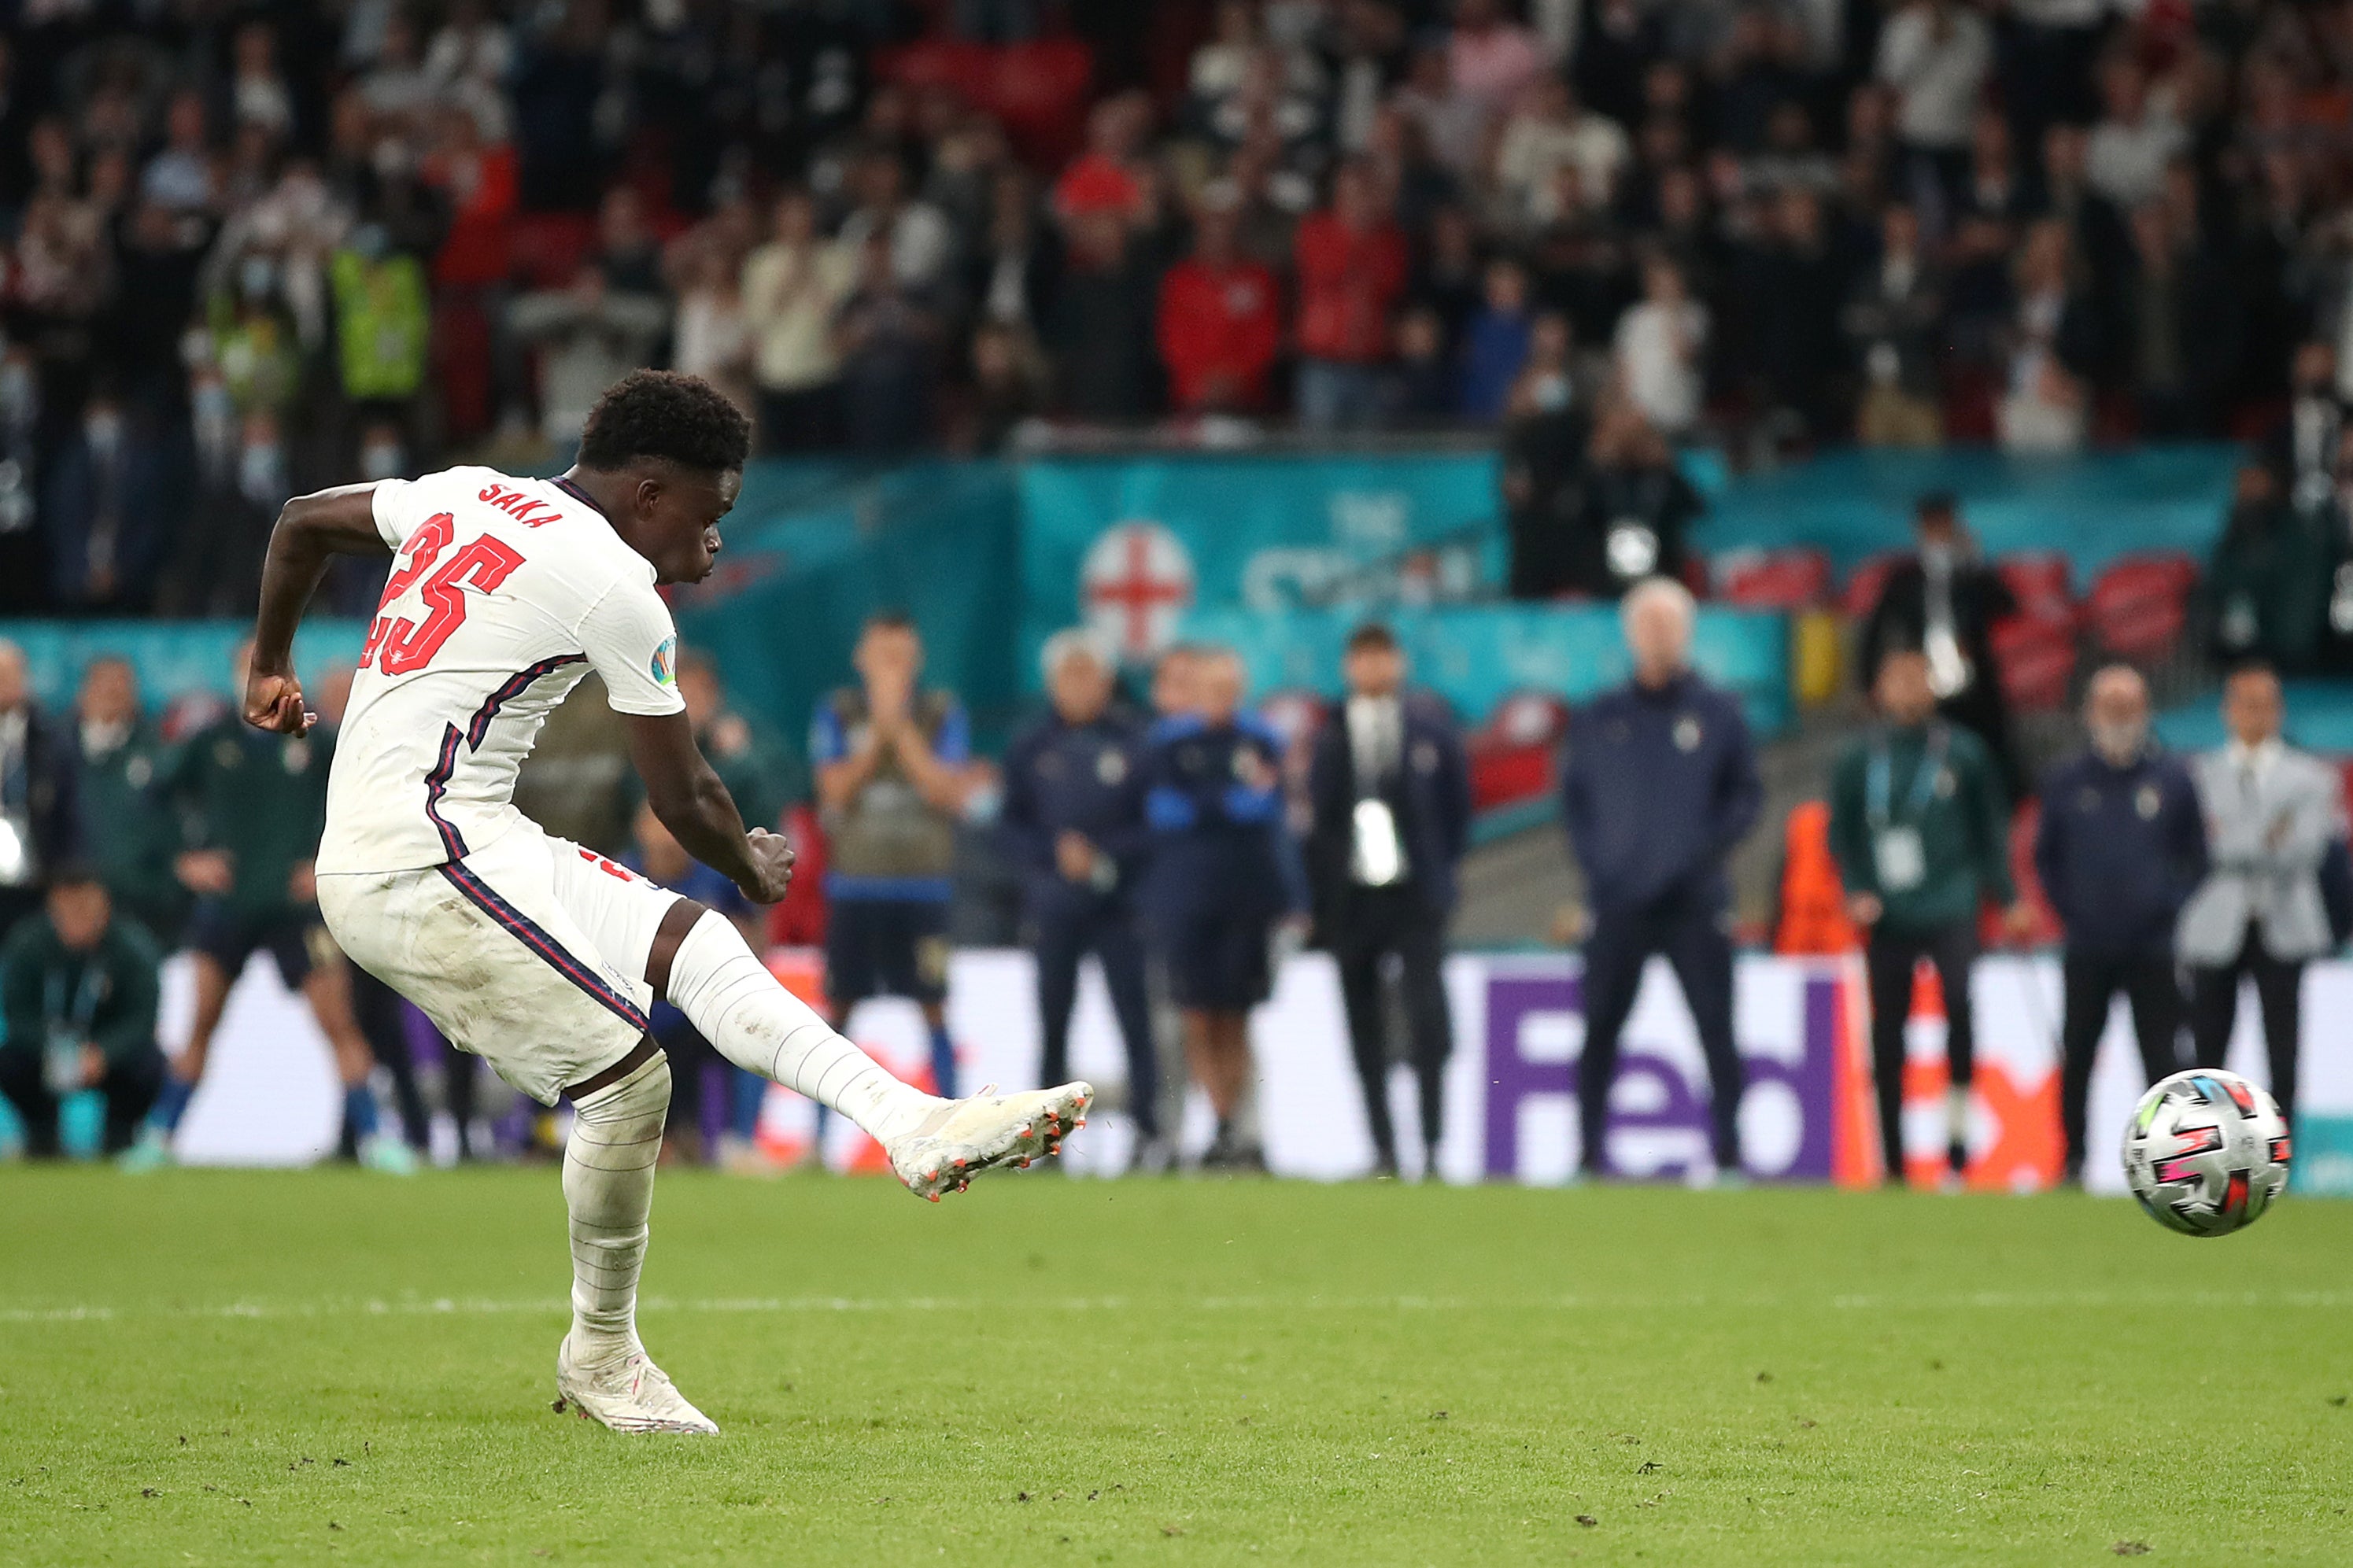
530, 951
793, 285
2271, 812
1550, 131
1937, 55
2129, 148
1658, 346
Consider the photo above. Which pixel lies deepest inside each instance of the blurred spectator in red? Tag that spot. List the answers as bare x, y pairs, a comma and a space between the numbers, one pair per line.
477, 176
1219, 321
1351, 264
1105, 179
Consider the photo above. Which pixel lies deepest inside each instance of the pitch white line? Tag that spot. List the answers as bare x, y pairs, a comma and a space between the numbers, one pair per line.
556, 1306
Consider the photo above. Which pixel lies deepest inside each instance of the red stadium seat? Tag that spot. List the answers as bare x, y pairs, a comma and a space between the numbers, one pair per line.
1513, 755
2139, 606
1867, 581
2036, 658
2041, 581
1774, 579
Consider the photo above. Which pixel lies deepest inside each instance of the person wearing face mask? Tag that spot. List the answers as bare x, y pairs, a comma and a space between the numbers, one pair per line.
122, 758
2120, 847
216, 564
103, 507
1943, 602
1920, 828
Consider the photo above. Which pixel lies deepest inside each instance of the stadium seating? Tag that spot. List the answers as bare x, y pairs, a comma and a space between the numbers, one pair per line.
1867, 582
1513, 755
2139, 607
1773, 579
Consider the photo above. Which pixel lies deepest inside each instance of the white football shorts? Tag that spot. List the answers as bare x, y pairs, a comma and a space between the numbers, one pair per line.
529, 953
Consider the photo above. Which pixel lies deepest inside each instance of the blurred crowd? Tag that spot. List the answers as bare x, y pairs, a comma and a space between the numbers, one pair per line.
251, 250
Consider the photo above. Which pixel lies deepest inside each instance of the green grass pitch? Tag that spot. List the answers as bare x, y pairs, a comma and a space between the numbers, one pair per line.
218, 1367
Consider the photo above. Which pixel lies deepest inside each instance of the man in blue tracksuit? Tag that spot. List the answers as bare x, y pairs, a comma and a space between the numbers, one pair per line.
1224, 872
2121, 846
1659, 786
1073, 824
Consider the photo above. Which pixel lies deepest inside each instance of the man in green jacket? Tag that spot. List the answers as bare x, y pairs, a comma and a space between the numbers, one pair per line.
77, 990
1920, 828
129, 836
254, 804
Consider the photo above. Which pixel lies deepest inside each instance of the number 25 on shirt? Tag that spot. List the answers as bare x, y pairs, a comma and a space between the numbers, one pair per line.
398, 646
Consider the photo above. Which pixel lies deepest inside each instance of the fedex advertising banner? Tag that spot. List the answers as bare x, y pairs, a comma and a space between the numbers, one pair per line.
1510, 1109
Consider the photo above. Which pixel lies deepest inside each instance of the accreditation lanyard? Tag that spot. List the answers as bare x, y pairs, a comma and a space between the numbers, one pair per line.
1879, 780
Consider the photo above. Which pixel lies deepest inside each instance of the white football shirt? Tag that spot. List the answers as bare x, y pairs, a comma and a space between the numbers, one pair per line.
503, 593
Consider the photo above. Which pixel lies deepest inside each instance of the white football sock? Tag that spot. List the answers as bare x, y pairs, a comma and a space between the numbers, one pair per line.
608, 1189
752, 1020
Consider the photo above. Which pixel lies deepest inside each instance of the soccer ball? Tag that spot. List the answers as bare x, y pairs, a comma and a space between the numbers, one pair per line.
2207, 1153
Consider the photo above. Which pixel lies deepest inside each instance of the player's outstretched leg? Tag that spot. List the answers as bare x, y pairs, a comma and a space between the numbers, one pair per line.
601, 1369
935, 1145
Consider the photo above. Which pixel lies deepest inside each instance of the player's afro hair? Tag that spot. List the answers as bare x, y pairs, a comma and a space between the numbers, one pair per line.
661, 413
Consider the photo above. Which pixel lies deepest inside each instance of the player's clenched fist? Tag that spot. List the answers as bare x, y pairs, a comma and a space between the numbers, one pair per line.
772, 866
274, 702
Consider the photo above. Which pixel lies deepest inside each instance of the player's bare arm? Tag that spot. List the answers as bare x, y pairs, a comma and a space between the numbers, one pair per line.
686, 796
311, 531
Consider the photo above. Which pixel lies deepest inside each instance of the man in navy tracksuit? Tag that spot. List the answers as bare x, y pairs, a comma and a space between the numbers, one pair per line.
2121, 846
1073, 824
1659, 786
1224, 872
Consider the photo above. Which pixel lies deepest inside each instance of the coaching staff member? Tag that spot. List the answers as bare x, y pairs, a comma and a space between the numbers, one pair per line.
893, 762
2120, 848
78, 994
1073, 823
1659, 786
1920, 828
1390, 787
1225, 871
2272, 812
